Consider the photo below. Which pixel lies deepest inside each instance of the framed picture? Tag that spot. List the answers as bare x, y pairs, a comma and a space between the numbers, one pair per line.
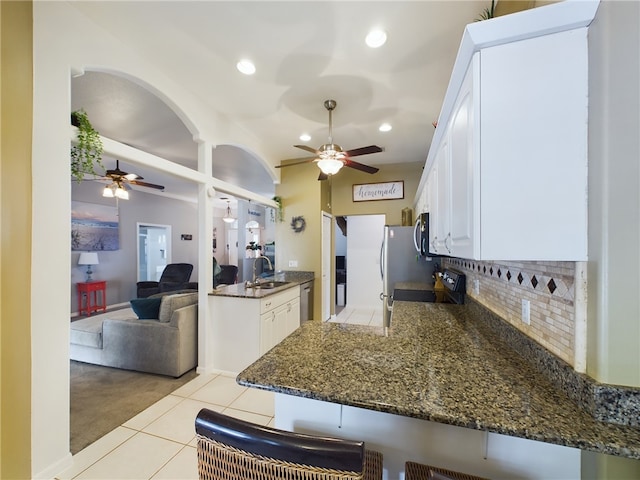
94, 227
367, 192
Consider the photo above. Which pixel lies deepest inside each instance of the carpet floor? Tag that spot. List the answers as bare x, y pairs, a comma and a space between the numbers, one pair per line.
104, 398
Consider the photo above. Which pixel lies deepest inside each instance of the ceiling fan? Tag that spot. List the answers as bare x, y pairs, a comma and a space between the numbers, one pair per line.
120, 181
330, 156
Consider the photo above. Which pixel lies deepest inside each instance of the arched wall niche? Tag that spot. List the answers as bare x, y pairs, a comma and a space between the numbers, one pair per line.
130, 110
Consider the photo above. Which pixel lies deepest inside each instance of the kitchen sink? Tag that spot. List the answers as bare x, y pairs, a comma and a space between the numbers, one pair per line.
271, 284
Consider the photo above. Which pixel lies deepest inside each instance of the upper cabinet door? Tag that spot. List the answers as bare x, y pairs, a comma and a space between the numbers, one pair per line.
533, 127
464, 152
510, 166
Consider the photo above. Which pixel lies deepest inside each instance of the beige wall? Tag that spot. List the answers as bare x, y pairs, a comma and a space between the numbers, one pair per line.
15, 243
342, 190
302, 194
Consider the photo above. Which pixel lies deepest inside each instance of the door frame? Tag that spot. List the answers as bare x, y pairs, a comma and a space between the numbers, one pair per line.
326, 277
166, 228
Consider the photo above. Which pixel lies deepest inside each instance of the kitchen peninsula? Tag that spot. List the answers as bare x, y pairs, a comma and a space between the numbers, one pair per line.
438, 386
248, 321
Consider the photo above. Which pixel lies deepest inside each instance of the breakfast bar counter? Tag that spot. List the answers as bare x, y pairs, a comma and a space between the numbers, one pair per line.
434, 363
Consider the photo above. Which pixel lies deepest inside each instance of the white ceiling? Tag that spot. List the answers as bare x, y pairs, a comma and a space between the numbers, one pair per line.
305, 52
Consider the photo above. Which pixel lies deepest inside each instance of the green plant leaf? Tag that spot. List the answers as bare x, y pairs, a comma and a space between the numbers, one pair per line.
86, 154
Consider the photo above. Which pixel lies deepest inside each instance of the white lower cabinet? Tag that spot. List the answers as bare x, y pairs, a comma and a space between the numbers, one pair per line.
277, 323
245, 328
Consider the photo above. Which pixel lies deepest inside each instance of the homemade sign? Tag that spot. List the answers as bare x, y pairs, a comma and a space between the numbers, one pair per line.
366, 192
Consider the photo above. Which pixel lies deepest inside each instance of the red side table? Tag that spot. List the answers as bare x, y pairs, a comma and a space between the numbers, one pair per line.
89, 291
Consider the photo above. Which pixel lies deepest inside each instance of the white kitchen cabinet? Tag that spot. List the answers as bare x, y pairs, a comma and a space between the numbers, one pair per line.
511, 162
245, 327
278, 322
442, 181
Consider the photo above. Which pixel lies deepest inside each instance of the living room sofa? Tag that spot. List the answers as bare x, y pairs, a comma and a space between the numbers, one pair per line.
166, 345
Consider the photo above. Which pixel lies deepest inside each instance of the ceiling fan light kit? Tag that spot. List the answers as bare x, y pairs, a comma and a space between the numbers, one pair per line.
115, 190
330, 156
330, 166
120, 181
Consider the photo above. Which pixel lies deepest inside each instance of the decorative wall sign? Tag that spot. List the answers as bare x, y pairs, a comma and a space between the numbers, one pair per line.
94, 227
366, 192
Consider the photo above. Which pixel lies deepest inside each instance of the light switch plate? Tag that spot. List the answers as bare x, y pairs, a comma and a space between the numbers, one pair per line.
293, 263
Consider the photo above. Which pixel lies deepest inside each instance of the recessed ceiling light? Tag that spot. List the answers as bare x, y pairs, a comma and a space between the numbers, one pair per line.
305, 137
385, 127
376, 38
246, 66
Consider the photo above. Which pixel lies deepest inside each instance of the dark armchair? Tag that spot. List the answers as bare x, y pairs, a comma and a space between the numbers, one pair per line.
227, 276
174, 277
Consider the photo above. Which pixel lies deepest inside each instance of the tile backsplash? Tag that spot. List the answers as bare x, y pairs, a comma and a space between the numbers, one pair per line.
549, 287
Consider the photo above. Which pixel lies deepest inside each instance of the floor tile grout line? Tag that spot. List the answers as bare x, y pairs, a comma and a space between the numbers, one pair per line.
109, 452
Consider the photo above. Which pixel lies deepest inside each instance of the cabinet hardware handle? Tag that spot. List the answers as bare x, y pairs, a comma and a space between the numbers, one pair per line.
448, 238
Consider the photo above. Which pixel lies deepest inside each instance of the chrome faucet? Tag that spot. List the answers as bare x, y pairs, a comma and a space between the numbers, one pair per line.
255, 281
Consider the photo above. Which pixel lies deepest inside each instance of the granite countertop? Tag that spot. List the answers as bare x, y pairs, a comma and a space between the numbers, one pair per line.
435, 364
294, 279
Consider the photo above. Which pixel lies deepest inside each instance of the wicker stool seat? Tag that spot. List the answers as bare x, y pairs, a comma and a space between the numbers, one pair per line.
419, 471
232, 449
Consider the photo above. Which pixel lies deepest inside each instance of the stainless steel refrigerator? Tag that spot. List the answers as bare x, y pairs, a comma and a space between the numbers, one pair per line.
400, 261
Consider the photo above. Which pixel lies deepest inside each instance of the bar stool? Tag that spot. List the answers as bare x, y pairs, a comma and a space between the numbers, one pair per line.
232, 448
419, 471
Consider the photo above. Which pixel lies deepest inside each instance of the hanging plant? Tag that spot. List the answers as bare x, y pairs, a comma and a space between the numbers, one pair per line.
487, 13
87, 152
280, 210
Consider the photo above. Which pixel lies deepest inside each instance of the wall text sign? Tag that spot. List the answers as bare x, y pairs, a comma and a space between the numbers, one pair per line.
366, 192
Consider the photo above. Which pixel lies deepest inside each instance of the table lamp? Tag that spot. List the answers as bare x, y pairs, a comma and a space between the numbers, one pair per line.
88, 259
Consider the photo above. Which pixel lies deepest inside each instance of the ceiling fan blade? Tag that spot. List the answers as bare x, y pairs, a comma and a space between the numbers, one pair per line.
296, 161
308, 149
145, 184
323, 176
360, 166
364, 150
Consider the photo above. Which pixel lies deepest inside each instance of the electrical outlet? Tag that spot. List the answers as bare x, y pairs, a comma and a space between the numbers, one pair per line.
293, 263
476, 286
526, 311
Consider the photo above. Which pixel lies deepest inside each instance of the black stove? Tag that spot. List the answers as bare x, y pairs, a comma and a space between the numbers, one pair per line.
454, 290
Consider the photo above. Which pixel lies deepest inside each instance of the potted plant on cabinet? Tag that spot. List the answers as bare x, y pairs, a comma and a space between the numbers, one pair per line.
488, 12
87, 152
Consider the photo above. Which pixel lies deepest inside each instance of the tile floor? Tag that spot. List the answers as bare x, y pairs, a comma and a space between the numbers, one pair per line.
159, 443
360, 316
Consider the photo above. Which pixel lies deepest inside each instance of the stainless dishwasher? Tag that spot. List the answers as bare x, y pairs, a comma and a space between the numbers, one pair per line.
306, 301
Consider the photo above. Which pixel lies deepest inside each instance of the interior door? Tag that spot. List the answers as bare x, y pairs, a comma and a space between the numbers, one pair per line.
232, 246
326, 266
364, 239
154, 250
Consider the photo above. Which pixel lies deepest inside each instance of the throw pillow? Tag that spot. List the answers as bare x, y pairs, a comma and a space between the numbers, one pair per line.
146, 308
170, 303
